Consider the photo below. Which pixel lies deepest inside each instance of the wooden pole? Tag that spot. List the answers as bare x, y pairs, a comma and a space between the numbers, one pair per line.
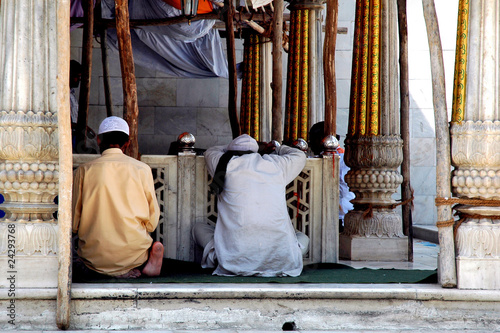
447, 270
130, 104
277, 79
331, 24
104, 57
83, 102
233, 79
65, 168
405, 124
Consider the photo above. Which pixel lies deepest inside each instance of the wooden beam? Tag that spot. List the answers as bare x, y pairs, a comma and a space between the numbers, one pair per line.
447, 266
130, 103
83, 101
331, 24
241, 17
64, 222
110, 23
104, 57
405, 124
233, 78
277, 79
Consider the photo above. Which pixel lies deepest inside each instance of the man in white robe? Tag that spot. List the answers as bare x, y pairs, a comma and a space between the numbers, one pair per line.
253, 234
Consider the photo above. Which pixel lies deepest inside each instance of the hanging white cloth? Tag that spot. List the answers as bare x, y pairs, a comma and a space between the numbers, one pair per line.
180, 50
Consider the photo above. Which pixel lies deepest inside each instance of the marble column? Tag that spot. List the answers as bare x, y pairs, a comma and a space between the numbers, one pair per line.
373, 230
475, 140
29, 166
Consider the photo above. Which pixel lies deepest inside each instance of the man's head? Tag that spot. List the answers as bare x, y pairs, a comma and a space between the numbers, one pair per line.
316, 136
244, 143
113, 133
75, 73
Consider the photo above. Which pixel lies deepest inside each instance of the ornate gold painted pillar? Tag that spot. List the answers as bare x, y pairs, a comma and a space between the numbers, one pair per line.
29, 169
297, 89
475, 139
373, 230
250, 87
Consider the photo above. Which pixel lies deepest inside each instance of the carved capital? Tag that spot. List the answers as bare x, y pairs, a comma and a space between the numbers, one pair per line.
29, 170
374, 152
383, 223
476, 157
476, 144
28, 136
374, 177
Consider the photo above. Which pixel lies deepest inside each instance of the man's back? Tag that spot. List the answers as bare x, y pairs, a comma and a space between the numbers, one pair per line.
114, 210
254, 235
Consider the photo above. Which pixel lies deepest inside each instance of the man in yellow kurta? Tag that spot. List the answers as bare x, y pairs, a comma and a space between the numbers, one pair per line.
115, 209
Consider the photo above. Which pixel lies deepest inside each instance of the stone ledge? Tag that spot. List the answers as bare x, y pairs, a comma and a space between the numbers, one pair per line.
260, 291
426, 232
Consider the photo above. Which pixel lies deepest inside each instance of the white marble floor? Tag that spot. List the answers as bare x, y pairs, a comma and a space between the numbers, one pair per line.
424, 257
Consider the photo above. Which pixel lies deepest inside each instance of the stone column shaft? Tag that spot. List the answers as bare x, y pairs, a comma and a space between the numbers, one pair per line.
29, 168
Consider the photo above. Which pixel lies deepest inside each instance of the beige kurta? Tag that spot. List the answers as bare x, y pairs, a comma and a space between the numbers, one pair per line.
114, 209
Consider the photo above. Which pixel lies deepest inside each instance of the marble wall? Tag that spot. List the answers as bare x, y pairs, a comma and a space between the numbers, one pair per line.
170, 106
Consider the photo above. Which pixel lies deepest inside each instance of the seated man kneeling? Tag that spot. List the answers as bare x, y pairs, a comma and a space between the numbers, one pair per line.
115, 209
253, 234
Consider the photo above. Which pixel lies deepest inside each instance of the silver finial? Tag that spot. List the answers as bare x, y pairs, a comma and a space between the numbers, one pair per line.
275, 143
186, 141
330, 143
301, 144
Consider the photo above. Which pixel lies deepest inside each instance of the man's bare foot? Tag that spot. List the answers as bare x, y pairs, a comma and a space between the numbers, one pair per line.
132, 274
153, 267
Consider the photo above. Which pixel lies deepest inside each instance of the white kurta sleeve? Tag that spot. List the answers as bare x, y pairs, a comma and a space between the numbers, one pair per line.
212, 157
291, 161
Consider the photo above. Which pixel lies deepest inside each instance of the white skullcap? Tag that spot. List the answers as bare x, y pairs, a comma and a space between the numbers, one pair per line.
244, 143
112, 124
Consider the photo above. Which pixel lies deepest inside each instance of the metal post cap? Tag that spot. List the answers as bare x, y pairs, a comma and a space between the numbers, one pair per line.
186, 141
330, 143
301, 144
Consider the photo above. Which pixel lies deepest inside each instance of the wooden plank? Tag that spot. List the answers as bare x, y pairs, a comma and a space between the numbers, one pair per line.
405, 124
329, 67
233, 79
277, 78
446, 264
83, 101
65, 168
104, 57
130, 104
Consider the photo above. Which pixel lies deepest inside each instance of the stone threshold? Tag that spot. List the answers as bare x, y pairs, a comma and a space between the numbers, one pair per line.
118, 291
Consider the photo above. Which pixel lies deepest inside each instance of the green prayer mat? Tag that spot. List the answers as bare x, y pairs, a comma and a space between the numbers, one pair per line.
175, 271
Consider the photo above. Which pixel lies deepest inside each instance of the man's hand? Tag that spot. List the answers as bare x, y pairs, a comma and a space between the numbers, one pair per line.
266, 147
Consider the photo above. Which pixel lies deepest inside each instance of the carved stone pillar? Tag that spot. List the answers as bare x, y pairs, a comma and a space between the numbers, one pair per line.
373, 230
475, 138
28, 142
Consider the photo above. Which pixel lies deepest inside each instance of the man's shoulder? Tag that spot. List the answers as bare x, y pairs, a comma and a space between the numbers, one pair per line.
114, 159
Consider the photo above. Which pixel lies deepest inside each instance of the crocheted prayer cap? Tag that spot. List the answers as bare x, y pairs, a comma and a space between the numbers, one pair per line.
244, 143
112, 124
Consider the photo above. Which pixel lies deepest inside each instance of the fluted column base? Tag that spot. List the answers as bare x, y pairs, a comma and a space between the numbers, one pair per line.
379, 237
478, 248
26, 248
